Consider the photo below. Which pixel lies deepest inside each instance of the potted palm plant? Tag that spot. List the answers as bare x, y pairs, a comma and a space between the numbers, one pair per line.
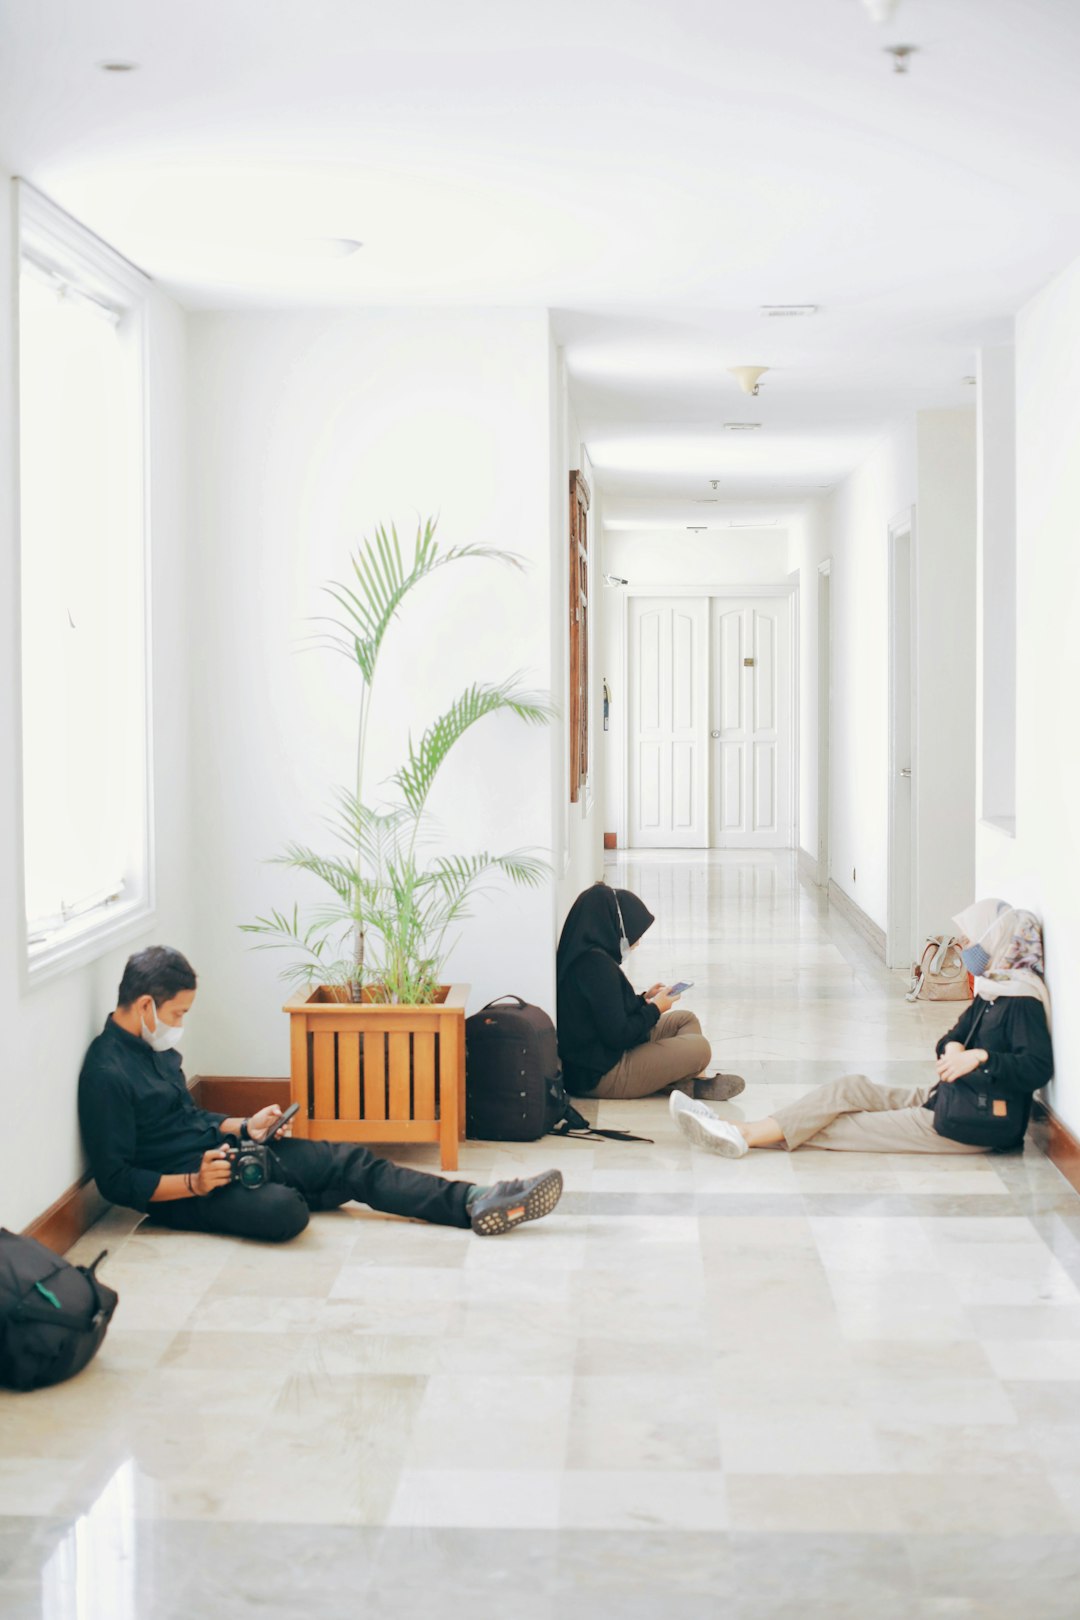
377, 1036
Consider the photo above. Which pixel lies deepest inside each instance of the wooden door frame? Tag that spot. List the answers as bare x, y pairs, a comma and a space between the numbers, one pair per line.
790, 589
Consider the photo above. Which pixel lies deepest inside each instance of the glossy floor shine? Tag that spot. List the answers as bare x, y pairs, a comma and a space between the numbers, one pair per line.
812, 1385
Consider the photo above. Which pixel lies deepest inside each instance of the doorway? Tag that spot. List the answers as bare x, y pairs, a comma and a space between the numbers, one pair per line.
900, 933
668, 659
824, 634
710, 721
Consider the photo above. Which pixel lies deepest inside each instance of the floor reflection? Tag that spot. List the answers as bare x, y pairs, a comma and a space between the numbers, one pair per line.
92, 1573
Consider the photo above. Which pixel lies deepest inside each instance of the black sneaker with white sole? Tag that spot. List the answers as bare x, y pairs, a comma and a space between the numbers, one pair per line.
508, 1204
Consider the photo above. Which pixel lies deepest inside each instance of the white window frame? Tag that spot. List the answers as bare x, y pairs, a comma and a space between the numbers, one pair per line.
55, 241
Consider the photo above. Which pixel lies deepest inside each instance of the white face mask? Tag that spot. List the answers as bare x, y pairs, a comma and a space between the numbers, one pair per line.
165, 1037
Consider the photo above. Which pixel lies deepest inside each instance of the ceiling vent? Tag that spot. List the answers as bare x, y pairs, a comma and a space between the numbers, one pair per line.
696, 528
788, 311
740, 427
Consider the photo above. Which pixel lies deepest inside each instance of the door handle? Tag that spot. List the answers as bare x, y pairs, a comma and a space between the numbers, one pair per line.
906, 774
714, 734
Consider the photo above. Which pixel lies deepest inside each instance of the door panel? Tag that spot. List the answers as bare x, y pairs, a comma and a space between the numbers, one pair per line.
669, 693
751, 767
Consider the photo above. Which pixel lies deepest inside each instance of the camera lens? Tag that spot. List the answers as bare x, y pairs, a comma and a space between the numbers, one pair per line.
252, 1173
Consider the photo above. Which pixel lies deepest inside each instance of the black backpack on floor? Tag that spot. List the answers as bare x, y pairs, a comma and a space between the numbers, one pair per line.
53, 1315
513, 1081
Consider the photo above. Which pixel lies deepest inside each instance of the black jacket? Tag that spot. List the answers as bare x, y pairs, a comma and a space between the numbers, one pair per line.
1020, 1058
599, 1015
138, 1119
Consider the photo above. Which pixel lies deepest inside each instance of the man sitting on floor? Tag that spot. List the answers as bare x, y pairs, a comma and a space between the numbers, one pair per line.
151, 1148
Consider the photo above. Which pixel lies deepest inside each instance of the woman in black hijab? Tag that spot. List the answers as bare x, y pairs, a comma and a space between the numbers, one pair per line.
612, 1041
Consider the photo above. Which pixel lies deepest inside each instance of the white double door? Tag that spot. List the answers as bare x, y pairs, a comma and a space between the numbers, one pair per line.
710, 725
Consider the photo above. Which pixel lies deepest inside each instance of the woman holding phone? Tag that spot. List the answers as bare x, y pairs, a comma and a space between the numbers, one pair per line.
989, 1067
614, 1042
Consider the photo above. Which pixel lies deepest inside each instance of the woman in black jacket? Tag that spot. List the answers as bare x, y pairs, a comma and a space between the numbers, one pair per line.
612, 1041
989, 1066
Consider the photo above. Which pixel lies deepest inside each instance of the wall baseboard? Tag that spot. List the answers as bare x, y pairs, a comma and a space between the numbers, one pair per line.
807, 866
1057, 1142
76, 1210
74, 1213
238, 1095
856, 916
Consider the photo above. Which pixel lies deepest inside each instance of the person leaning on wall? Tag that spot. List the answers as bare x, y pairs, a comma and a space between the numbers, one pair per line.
152, 1149
614, 1042
989, 1067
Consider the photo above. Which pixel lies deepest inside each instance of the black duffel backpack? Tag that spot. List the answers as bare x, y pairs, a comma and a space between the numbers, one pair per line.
514, 1089
53, 1315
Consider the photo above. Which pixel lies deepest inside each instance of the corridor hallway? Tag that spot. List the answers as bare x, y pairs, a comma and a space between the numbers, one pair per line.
795, 1387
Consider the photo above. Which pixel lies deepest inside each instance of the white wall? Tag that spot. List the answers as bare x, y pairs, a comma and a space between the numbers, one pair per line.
668, 558
47, 1029
946, 666
995, 705
1040, 867
580, 858
852, 528
306, 431
809, 539
928, 463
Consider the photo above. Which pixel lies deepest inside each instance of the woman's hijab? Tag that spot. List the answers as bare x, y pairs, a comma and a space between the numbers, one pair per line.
599, 920
1006, 951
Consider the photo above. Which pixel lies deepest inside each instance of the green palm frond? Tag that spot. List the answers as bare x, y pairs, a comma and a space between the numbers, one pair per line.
417, 776
381, 581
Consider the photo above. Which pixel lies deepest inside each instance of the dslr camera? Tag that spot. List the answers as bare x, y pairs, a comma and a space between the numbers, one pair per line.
250, 1162
250, 1165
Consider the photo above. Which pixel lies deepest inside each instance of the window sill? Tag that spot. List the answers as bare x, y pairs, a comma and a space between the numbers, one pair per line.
85, 940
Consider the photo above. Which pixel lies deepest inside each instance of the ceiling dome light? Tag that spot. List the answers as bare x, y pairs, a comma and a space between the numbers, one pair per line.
747, 377
119, 67
881, 10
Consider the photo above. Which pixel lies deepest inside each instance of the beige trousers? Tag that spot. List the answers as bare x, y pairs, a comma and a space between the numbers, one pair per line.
675, 1050
856, 1116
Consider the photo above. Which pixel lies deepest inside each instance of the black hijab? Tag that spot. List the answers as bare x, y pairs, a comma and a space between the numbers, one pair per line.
592, 924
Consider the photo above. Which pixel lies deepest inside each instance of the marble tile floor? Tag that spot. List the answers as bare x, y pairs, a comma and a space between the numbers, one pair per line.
811, 1385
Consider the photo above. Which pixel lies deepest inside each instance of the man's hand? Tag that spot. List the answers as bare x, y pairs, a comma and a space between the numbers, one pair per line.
663, 1002
655, 991
214, 1172
955, 1062
259, 1124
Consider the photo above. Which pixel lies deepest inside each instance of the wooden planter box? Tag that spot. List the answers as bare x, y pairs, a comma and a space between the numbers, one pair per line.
364, 1072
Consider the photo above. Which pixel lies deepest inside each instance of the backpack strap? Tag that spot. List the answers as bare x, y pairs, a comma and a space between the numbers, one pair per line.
577, 1127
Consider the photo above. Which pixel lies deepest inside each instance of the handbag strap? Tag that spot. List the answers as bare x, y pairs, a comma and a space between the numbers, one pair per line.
518, 1001
974, 1025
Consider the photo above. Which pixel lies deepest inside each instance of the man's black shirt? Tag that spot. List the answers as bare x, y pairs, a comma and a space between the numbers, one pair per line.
137, 1117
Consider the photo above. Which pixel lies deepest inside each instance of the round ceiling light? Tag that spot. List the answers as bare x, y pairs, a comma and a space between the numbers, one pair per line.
119, 67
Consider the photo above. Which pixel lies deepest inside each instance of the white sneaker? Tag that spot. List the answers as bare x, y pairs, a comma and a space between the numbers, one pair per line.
700, 1125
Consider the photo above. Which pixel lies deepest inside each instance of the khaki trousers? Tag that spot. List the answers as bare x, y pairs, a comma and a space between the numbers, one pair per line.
675, 1050
854, 1115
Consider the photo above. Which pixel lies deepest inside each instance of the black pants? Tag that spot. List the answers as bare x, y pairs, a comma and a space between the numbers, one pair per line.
317, 1175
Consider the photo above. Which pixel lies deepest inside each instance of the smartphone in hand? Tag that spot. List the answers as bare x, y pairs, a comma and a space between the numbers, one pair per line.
677, 989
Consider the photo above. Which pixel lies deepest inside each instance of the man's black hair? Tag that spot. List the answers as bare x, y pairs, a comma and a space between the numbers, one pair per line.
158, 971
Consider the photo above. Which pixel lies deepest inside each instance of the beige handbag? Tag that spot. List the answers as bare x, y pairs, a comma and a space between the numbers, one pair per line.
940, 974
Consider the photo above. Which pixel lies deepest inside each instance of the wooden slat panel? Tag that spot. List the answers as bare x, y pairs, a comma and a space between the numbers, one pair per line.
424, 1076
380, 1130
399, 1075
348, 1059
323, 1101
374, 1075
299, 1078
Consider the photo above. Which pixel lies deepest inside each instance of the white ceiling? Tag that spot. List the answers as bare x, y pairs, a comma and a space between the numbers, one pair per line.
652, 173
